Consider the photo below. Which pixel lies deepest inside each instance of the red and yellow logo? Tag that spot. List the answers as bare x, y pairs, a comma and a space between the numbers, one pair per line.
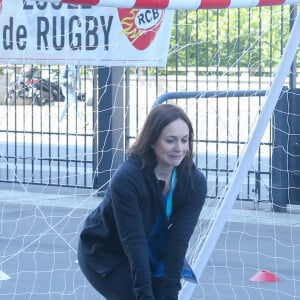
140, 25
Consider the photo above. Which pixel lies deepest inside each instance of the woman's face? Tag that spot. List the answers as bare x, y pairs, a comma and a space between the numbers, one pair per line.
172, 144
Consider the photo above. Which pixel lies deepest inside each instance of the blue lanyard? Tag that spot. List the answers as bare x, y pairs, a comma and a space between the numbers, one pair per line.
170, 195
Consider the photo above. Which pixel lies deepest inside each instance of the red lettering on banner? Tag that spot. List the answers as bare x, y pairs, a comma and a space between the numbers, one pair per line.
83, 2
270, 2
215, 3
151, 4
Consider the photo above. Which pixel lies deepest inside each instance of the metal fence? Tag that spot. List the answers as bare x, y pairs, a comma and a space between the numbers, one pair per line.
45, 139
78, 138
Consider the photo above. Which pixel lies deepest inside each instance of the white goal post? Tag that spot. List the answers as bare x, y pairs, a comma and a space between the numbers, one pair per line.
262, 122
247, 157
179, 4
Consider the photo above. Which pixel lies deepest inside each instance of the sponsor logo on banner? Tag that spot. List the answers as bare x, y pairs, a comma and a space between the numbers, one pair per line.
140, 25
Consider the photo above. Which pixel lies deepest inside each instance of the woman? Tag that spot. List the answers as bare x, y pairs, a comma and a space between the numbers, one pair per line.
133, 245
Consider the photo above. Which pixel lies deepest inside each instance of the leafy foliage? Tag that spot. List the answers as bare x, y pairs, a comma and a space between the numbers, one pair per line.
250, 38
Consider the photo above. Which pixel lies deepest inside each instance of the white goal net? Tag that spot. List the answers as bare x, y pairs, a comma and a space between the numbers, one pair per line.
236, 61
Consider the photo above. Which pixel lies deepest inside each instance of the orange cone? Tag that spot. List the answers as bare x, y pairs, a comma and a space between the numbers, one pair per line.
265, 276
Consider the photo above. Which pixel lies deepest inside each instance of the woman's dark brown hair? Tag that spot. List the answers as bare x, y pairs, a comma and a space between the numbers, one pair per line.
158, 118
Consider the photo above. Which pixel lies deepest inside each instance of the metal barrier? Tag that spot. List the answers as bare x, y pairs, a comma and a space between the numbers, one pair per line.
208, 94
47, 133
69, 143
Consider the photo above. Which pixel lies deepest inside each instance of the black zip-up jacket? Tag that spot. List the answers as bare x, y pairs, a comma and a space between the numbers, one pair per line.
118, 228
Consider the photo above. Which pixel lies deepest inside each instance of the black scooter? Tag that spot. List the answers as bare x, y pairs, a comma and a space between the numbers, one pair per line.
29, 85
47, 90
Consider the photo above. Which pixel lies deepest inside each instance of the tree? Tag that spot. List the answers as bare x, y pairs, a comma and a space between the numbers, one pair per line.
248, 37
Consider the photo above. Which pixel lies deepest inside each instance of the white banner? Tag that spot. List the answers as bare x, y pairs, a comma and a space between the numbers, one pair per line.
55, 33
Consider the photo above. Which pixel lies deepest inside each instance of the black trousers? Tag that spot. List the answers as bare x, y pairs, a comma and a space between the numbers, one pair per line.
118, 285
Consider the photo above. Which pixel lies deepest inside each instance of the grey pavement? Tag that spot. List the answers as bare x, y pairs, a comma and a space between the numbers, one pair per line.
39, 231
